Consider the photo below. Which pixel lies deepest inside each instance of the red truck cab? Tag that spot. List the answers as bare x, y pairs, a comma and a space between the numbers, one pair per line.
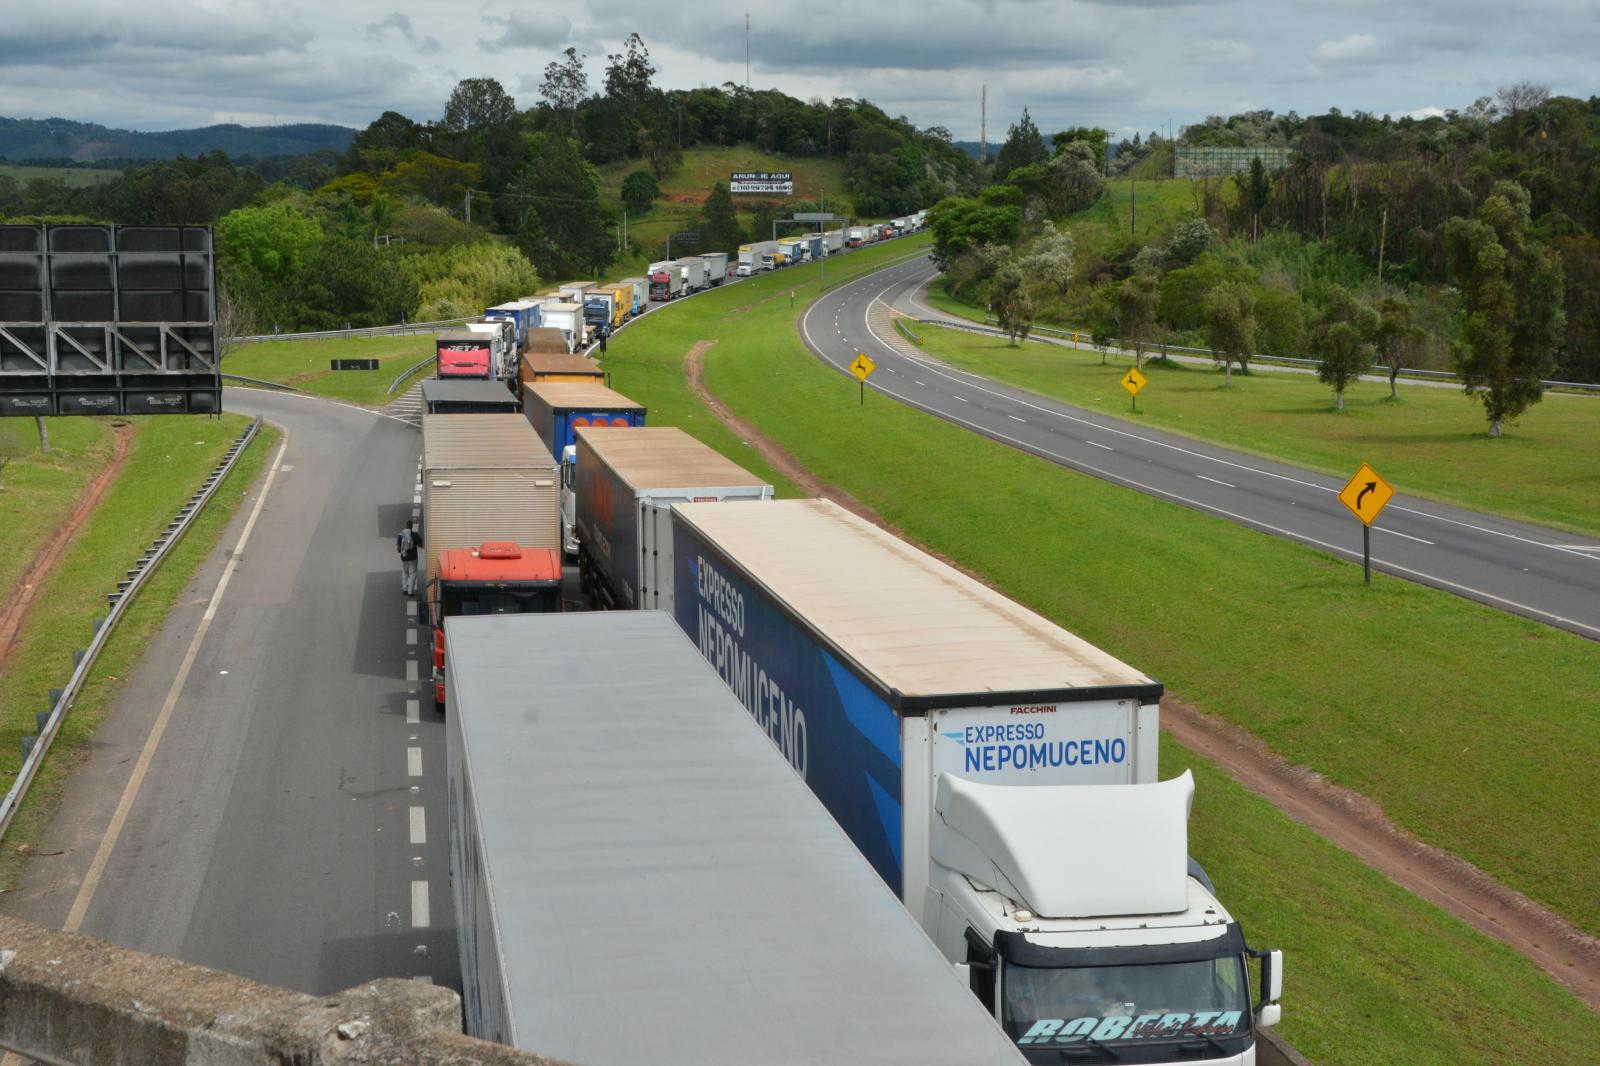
463, 354
497, 577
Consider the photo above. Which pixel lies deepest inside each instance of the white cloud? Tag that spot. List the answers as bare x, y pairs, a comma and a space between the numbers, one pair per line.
528, 29
1352, 48
1212, 51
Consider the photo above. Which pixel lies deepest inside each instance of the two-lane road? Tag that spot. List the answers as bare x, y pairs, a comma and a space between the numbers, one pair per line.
1540, 573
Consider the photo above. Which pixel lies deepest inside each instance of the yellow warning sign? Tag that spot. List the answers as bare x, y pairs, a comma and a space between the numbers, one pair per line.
1134, 381
1367, 494
863, 367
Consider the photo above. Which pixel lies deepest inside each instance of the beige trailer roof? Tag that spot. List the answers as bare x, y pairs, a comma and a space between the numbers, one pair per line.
902, 616
561, 363
480, 440
580, 394
663, 457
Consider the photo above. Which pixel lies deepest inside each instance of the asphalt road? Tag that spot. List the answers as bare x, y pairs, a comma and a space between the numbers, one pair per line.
1540, 573
289, 825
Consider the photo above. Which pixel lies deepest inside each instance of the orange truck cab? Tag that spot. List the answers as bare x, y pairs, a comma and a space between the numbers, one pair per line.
497, 577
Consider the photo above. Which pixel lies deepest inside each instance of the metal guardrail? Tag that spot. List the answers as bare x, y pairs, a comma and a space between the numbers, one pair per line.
412, 369
364, 331
1076, 337
259, 383
61, 700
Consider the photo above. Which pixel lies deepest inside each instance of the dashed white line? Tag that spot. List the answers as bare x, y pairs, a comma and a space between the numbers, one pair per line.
1213, 480
411, 635
963, 399
414, 762
411, 669
1408, 536
413, 712
1014, 418
924, 384
1106, 447
411, 609
419, 905
419, 826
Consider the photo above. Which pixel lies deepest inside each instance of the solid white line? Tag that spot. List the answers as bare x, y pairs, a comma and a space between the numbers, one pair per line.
413, 707
414, 762
1213, 480
130, 792
1107, 447
411, 636
419, 904
419, 826
411, 669
1408, 536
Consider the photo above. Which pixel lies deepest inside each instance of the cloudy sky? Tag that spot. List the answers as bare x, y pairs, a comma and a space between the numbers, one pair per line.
1120, 64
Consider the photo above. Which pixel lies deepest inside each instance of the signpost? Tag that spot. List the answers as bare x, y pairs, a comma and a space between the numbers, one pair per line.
761, 181
1367, 494
862, 368
1134, 381
689, 237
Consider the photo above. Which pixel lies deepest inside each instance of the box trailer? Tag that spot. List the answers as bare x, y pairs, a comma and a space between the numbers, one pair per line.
561, 366
568, 318
693, 269
833, 242
636, 876
575, 291
855, 236
666, 283
748, 261
523, 314
961, 741
442, 396
557, 410
716, 267
641, 293
625, 483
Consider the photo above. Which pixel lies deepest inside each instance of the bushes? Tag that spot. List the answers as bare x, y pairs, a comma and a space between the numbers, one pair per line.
465, 279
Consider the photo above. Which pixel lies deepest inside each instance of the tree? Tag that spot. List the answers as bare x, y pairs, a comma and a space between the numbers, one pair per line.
1231, 325
1136, 312
959, 225
434, 178
1193, 237
477, 104
565, 191
1254, 193
1012, 306
1512, 293
1024, 145
639, 191
350, 282
566, 85
1280, 322
1050, 257
1093, 138
1397, 338
719, 222
628, 75
1343, 342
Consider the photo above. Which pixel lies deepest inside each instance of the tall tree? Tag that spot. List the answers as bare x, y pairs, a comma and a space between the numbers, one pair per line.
565, 191
1008, 296
639, 191
628, 75
1512, 293
1024, 145
1050, 257
719, 222
1231, 325
1397, 338
477, 104
1136, 312
1343, 342
566, 85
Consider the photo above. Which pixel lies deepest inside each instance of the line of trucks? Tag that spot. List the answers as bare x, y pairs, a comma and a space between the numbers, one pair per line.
636, 871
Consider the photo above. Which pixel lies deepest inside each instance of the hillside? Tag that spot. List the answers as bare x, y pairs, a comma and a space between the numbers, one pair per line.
60, 139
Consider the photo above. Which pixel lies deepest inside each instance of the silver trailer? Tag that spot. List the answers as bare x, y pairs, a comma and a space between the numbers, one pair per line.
639, 877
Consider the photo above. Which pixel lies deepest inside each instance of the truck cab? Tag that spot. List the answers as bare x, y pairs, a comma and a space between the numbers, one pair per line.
497, 577
464, 354
1114, 949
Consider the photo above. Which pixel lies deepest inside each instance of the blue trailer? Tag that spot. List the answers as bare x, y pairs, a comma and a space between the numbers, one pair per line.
524, 314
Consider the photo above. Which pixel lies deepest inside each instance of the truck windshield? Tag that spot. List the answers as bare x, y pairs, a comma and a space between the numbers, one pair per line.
1061, 1007
470, 601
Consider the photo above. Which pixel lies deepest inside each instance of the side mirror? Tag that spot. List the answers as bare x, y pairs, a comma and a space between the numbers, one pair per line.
1272, 980
964, 974
1269, 1015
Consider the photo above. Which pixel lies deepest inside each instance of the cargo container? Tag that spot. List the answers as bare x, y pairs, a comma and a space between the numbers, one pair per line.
716, 267
641, 293
462, 353
666, 283
793, 250
625, 483
693, 269
856, 236
833, 242
638, 878
502, 346
576, 291
490, 523
561, 366
960, 740
548, 339
568, 318
813, 245
524, 314
621, 303
444, 396
557, 410
756, 257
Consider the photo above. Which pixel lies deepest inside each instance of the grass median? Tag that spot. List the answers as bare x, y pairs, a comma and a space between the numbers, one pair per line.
38, 490
307, 365
1403, 693
169, 458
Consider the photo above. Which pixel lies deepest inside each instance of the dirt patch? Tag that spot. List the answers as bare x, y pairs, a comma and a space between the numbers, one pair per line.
43, 563
1347, 819
1359, 826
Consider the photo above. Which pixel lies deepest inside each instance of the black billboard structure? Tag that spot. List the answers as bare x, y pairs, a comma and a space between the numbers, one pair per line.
108, 320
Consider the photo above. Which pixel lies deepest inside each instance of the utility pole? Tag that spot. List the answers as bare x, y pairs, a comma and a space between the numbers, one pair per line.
1383, 236
466, 210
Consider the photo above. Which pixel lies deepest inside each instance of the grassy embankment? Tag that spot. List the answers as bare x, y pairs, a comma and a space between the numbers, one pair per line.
1430, 442
1263, 633
38, 491
168, 459
72, 177
305, 365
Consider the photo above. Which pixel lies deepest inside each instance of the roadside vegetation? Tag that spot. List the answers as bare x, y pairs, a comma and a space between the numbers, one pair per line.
1429, 442
306, 364
1262, 633
168, 459
38, 490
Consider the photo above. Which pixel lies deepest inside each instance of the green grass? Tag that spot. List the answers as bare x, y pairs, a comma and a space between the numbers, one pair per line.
164, 468
1430, 442
1161, 206
1477, 734
305, 364
72, 177
37, 490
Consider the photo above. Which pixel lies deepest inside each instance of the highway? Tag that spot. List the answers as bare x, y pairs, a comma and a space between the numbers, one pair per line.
288, 820
1540, 573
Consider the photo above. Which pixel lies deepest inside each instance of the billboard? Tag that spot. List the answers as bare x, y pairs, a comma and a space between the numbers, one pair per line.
780, 183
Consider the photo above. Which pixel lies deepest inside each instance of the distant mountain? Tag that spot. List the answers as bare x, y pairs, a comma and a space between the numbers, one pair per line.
59, 138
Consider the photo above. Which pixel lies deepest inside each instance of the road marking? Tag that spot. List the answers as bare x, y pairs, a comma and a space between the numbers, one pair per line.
1408, 536
413, 711
924, 384
411, 635
285, 468
419, 826
414, 762
963, 399
1022, 420
1109, 448
416, 512
1213, 480
411, 609
890, 369
130, 792
419, 904
411, 669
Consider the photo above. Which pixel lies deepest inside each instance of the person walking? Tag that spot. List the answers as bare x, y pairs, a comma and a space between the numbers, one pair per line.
407, 543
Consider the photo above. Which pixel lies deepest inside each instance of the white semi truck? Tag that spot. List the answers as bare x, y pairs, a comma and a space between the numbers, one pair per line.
638, 878
998, 772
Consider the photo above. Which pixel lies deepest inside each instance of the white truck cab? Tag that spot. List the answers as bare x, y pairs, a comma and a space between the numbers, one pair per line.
569, 500
1081, 923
